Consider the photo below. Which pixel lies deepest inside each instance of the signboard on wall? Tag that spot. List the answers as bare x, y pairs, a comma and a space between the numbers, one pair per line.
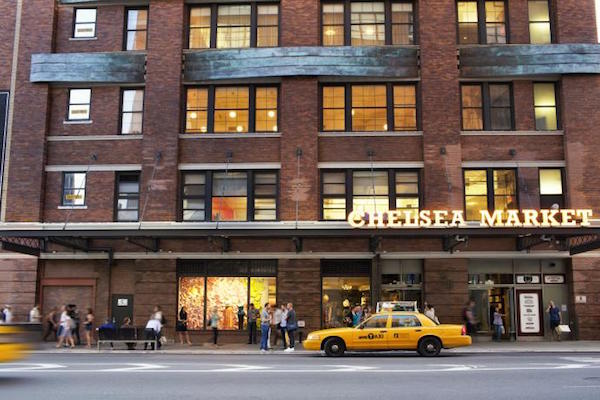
530, 319
554, 279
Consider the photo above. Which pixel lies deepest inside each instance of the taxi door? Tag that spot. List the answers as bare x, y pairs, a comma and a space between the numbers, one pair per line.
371, 334
405, 332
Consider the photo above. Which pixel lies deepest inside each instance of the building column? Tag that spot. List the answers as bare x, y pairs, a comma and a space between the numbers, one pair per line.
299, 282
585, 289
445, 286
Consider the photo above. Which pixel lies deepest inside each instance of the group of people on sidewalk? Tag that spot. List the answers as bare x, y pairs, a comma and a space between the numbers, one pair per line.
65, 325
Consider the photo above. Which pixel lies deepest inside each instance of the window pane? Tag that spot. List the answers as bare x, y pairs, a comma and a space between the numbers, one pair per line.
405, 108
229, 184
505, 188
370, 204
369, 183
231, 109
476, 182
265, 209
545, 119
136, 40
544, 98
267, 34
407, 203
402, 23
191, 296
551, 182
334, 183
501, 110
333, 24
199, 28
538, 11
266, 109
334, 108
467, 22
494, 18
80, 96
472, 112
131, 123
229, 208
334, 209
539, 33
196, 113
407, 182
137, 19
133, 100
85, 15
224, 295
79, 112
74, 189
368, 24
544, 94
369, 108
85, 23
473, 205
233, 26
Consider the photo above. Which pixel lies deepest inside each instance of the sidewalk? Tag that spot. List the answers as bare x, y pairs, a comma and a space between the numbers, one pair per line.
244, 349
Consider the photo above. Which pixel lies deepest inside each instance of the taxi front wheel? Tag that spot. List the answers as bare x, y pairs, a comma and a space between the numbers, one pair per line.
429, 347
334, 347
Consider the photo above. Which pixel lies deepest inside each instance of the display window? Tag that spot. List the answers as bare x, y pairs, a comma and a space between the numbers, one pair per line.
200, 295
340, 295
401, 280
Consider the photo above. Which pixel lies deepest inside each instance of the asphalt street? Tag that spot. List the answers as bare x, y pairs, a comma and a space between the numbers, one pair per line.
356, 376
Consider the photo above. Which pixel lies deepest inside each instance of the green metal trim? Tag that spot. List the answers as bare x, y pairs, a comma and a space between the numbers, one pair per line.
373, 61
117, 67
529, 60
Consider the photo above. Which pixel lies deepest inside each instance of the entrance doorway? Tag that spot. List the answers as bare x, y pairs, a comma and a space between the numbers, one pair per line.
122, 306
486, 301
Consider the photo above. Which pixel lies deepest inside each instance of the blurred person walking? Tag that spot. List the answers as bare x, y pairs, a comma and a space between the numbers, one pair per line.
66, 328
265, 327
498, 324
50, 321
88, 326
35, 317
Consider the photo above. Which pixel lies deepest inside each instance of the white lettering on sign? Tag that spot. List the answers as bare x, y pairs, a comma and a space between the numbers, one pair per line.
568, 218
529, 313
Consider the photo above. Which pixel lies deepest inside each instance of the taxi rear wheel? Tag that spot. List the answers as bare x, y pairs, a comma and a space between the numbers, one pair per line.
429, 347
334, 347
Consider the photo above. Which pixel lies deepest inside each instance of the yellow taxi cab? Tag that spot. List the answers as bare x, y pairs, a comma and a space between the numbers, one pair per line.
390, 331
12, 345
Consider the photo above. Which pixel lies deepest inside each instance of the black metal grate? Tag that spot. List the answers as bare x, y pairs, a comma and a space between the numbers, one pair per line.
227, 268
345, 267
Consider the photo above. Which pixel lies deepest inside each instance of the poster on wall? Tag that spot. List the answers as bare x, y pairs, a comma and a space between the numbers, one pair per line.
529, 313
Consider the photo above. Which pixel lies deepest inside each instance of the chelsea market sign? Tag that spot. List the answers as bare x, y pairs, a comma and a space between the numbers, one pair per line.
550, 218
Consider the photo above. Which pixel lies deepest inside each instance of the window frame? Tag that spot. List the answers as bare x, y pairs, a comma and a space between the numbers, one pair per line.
390, 108
210, 109
486, 106
126, 29
490, 195
550, 21
121, 112
556, 101
387, 23
214, 17
349, 186
89, 118
563, 186
208, 194
117, 197
481, 23
62, 200
75, 23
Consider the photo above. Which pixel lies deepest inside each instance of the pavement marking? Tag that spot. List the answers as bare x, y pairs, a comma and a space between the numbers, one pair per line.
31, 367
135, 367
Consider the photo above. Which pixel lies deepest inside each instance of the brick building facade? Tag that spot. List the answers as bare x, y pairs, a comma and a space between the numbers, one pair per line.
204, 153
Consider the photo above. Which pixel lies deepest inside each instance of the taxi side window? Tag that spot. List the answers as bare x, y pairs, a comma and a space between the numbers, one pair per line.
376, 322
405, 321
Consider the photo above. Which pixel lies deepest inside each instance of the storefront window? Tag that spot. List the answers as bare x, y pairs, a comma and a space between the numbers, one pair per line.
191, 296
263, 290
401, 280
342, 293
226, 294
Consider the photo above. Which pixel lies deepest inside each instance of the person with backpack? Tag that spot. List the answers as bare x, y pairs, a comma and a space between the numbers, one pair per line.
291, 326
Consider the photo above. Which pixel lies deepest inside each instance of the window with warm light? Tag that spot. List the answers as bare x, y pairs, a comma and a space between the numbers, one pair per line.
369, 107
368, 191
551, 188
545, 105
540, 28
487, 106
229, 196
481, 22
136, 29
362, 23
233, 26
232, 109
489, 189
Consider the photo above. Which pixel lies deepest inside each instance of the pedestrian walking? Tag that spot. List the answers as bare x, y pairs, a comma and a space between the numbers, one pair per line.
498, 324
7, 314
265, 326
213, 323
88, 325
469, 317
283, 325
430, 313
291, 326
181, 327
555, 319
66, 329
35, 317
74, 315
252, 317
50, 325
240, 314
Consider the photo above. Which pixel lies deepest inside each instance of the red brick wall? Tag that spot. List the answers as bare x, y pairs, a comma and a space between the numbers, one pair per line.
523, 105
299, 125
585, 281
162, 111
576, 21
305, 274
18, 285
25, 178
104, 112
209, 150
385, 148
496, 147
518, 16
300, 22
445, 286
7, 22
440, 105
110, 22
108, 152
